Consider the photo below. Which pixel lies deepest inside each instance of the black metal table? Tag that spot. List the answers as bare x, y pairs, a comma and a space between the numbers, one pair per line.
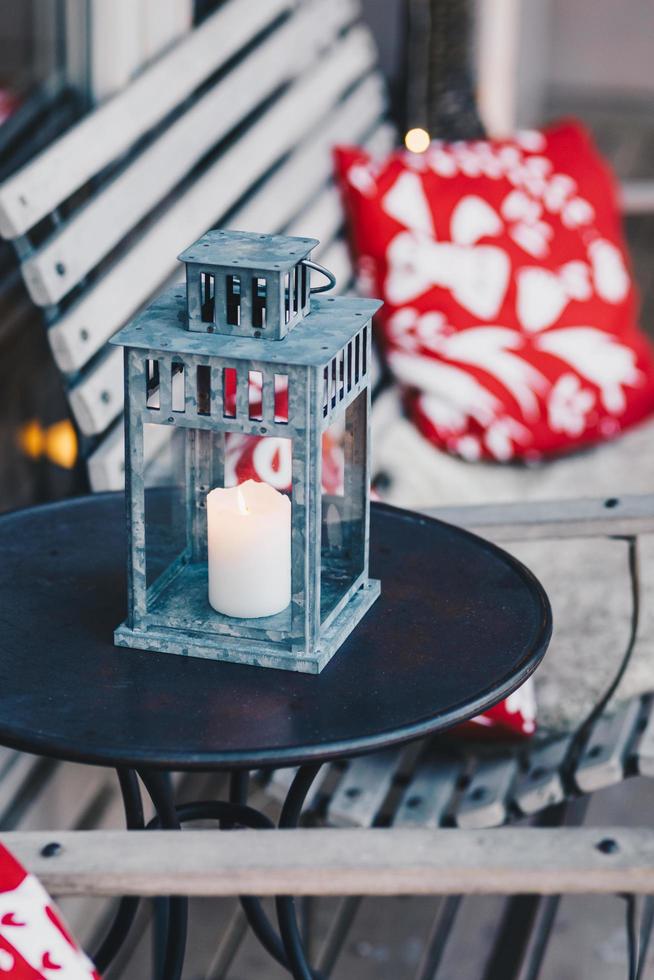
460, 624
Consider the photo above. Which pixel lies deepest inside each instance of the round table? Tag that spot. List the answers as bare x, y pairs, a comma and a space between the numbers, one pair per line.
460, 624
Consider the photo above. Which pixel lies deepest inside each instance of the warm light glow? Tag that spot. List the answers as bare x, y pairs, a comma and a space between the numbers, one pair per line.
58, 442
240, 502
417, 140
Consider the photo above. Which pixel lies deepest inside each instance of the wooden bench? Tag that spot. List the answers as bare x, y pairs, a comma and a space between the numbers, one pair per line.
234, 126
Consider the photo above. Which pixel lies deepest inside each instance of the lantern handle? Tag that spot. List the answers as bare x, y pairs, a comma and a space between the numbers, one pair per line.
320, 268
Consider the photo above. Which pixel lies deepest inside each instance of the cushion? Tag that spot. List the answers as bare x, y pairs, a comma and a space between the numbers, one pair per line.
34, 942
510, 315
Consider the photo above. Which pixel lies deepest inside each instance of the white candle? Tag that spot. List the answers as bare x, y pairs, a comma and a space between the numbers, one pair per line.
249, 545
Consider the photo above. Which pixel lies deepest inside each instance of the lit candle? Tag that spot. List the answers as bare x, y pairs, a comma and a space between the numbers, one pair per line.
249, 544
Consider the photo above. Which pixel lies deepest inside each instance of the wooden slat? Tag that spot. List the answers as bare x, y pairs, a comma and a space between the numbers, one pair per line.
107, 464
342, 862
536, 520
637, 196
305, 172
318, 89
541, 785
485, 801
37, 189
18, 770
80, 244
363, 789
603, 760
325, 214
80, 333
429, 791
97, 399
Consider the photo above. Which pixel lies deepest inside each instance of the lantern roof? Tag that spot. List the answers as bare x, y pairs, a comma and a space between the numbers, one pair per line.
247, 249
331, 324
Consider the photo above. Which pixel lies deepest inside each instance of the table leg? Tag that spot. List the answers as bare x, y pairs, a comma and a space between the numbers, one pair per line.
254, 913
159, 787
128, 907
285, 904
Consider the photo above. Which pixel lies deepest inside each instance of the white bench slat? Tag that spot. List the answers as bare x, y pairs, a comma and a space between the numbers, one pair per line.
603, 760
484, 803
310, 166
390, 861
97, 399
325, 214
80, 243
537, 519
94, 416
541, 785
430, 791
38, 188
106, 305
18, 769
363, 788
107, 463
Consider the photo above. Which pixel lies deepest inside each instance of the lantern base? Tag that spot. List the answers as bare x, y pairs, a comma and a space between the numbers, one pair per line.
256, 653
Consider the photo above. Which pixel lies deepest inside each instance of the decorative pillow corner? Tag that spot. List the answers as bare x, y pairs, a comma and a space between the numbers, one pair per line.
34, 942
510, 314
515, 716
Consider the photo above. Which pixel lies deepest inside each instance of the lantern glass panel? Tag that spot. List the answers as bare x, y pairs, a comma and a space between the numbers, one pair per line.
343, 506
190, 463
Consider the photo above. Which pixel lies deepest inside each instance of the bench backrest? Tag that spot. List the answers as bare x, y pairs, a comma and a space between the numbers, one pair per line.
233, 126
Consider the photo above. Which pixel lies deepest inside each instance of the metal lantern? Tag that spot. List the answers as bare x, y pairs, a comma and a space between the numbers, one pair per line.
247, 351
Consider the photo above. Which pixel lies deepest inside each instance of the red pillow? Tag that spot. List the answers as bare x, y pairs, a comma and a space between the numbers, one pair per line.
34, 941
510, 316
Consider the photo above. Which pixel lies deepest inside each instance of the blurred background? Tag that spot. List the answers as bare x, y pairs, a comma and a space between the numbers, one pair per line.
529, 60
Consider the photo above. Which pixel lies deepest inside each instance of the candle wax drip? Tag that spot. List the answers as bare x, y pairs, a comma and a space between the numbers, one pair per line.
240, 501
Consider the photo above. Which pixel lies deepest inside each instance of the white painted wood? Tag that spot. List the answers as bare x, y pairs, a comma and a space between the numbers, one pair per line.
108, 304
363, 789
107, 464
324, 214
332, 74
37, 189
541, 784
551, 519
637, 196
603, 760
163, 22
79, 244
99, 397
18, 769
310, 166
432, 786
342, 861
76, 47
115, 49
485, 801
498, 36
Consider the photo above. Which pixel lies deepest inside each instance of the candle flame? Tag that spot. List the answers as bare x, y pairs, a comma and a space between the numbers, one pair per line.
240, 502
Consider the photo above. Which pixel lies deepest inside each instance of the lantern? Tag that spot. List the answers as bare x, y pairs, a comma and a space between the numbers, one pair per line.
265, 575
